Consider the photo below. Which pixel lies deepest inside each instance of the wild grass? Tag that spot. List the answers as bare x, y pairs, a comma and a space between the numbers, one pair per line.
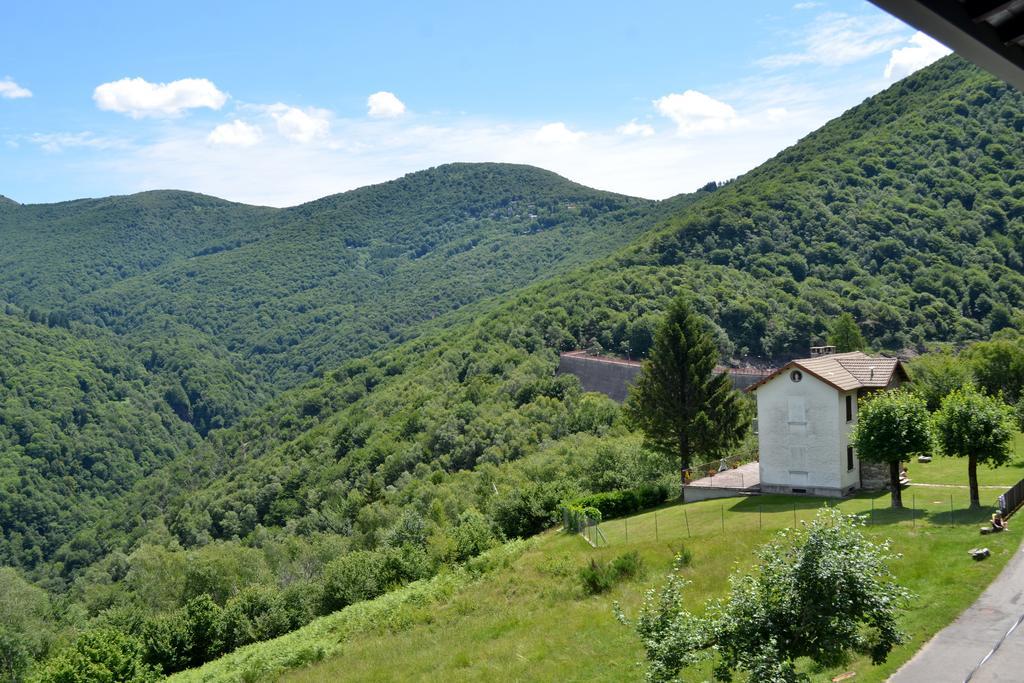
533, 622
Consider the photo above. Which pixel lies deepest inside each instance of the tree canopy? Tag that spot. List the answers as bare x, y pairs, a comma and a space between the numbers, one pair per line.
844, 334
979, 427
679, 402
892, 426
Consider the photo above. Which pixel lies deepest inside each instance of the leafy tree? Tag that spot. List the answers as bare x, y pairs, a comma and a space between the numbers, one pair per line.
680, 403
891, 427
103, 655
999, 367
845, 335
818, 592
979, 427
935, 375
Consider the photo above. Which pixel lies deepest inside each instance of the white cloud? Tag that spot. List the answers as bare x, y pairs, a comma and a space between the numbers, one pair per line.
58, 142
636, 129
139, 98
301, 125
557, 134
835, 39
237, 132
9, 90
806, 5
384, 105
923, 50
695, 112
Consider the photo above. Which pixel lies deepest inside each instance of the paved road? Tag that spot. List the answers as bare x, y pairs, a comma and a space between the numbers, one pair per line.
957, 650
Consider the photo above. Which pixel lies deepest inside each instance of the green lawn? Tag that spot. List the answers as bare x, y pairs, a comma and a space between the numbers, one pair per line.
943, 470
530, 622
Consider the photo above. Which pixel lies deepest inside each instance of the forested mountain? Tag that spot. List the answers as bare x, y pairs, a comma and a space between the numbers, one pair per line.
55, 253
907, 211
239, 301
199, 308
80, 423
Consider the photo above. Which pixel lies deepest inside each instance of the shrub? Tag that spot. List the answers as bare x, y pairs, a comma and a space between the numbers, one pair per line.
104, 654
353, 577
623, 502
598, 577
256, 613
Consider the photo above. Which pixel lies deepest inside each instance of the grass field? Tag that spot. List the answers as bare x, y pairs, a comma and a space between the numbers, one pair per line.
524, 617
943, 470
531, 621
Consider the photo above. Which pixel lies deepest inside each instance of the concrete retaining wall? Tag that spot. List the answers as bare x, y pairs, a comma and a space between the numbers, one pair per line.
613, 377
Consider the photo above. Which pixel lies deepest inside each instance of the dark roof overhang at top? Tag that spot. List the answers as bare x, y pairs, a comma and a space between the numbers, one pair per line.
989, 33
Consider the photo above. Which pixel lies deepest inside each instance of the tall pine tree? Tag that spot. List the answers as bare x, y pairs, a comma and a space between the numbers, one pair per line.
679, 402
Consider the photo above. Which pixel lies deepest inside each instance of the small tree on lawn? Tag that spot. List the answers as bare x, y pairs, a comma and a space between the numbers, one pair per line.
979, 427
818, 592
679, 402
845, 335
891, 427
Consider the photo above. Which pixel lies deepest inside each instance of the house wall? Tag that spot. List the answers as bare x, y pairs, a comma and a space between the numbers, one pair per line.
803, 448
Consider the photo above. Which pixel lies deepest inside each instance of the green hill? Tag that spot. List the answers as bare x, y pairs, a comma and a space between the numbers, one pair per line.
907, 211
80, 423
214, 305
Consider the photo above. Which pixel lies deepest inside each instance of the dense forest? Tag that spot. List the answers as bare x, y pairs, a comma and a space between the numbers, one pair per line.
414, 417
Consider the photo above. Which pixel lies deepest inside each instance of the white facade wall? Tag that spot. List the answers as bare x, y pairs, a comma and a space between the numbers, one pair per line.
803, 435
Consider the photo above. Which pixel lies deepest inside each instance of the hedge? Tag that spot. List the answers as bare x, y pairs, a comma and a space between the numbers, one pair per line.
622, 502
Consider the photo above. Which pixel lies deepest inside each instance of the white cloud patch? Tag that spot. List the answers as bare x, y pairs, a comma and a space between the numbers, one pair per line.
58, 142
237, 133
806, 5
384, 105
557, 134
139, 98
635, 129
301, 125
9, 90
922, 51
695, 112
835, 39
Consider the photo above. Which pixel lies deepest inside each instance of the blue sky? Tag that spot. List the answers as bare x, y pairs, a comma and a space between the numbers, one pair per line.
279, 103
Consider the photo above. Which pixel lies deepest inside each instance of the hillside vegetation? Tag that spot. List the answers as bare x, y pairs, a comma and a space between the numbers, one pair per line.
536, 619
907, 211
214, 306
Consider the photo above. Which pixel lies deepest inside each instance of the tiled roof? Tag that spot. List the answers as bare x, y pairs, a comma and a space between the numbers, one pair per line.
846, 371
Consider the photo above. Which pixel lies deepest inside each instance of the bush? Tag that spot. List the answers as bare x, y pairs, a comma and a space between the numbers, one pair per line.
622, 502
351, 578
104, 654
598, 577
256, 613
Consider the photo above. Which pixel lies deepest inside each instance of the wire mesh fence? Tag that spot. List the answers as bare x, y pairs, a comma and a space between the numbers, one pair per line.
920, 508
574, 521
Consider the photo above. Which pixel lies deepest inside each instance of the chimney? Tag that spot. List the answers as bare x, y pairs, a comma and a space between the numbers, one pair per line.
817, 351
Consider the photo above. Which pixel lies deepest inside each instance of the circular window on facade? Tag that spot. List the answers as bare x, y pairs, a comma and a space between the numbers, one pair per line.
796, 375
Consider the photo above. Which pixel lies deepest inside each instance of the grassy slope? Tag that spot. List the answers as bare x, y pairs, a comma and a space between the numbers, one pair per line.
530, 622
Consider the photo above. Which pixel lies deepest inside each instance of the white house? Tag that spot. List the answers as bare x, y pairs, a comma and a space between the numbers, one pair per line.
805, 411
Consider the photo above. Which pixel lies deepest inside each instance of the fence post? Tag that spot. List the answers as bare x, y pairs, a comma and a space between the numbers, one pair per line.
655, 525
686, 518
